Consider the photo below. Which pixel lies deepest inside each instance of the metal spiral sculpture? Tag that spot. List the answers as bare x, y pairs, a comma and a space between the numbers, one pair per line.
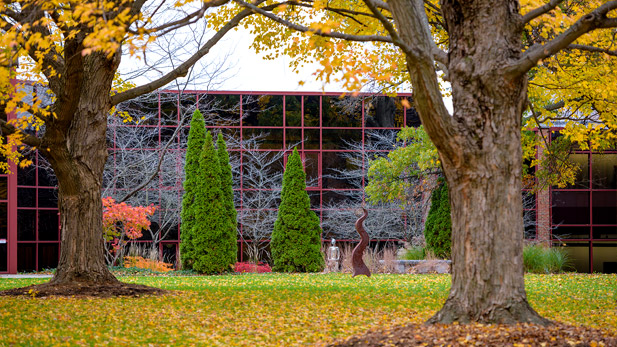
359, 268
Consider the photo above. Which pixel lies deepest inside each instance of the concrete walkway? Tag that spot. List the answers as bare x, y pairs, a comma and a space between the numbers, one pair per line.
25, 276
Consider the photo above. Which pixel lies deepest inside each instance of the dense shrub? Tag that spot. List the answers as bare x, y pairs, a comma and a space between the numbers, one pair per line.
213, 253
252, 268
438, 226
231, 235
296, 236
538, 259
197, 135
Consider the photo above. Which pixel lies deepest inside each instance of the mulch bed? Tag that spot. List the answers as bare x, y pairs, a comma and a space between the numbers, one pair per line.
85, 290
557, 334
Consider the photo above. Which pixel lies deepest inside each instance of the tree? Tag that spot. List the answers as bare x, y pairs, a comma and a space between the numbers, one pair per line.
75, 48
481, 49
438, 228
197, 138
210, 236
230, 235
296, 238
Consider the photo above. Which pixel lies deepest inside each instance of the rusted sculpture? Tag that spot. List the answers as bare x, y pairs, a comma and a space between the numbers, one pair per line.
359, 268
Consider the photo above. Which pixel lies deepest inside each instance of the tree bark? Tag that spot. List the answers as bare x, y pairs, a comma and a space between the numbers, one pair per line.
74, 143
480, 150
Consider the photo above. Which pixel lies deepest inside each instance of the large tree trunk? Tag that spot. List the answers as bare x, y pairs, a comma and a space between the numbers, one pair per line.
77, 153
480, 150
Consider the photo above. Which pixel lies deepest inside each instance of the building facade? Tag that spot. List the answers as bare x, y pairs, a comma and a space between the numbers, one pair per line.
336, 138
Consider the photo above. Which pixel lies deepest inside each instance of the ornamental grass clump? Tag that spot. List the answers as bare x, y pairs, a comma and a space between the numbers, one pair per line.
296, 236
544, 260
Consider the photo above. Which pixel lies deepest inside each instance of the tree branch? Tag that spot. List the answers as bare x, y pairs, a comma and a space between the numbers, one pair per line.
592, 49
8, 129
537, 12
303, 29
183, 68
591, 21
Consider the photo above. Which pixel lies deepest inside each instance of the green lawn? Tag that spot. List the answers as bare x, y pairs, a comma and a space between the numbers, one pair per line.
274, 309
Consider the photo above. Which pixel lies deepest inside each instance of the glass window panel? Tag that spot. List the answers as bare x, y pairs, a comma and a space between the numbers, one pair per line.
339, 171
48, 197
413, 118
26, 225
4, 256
48, 225
345, 112
267, 138
188, 104
293, 110
605, 257
311, 167
570, 207
4, 187
220, 109
262, 169
166, 134
378, 139
311, 138
293, 138
604, 171
605, 232
529, 222
582, 176
604, 207
169, 253
334, 199
578, 251
262, 110
381, 112
311, 111
170, 233
27, 176
3, 220
339, 139
563, 232
529, 199
26, 257
48, 255
315, 197
47, 177
26, 197
169, 108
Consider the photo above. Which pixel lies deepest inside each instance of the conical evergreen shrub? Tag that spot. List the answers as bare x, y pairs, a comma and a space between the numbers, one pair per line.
228, 194
213, 252
296, 237
197, 135
438, 226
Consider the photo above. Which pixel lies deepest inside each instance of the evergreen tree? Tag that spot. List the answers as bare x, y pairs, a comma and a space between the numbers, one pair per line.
438, 226
197, 134
213, 253
296, 236
228, 195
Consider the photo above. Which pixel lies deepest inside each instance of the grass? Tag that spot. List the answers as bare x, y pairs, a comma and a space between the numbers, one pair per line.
274, 309
538, 259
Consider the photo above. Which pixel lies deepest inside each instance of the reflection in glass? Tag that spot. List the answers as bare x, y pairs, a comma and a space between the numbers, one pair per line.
48, 255
293, 110
604, 207
570, 232
582, 176
340, 139
4, 187
26, 225
380, 111
264, 110
48, 197
570, 207
604, 171
311, 111
337, 112
605, 232
605, 257
578, 252
26, 197
26, 257
3, 220
48, 225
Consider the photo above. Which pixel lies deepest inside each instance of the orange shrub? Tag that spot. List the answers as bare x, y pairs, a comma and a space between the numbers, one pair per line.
143, 263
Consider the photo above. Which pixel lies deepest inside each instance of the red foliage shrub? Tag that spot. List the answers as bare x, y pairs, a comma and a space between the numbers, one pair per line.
253, 268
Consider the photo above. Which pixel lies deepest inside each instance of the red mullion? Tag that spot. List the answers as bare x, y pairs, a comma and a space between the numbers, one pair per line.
590, 185
363, 149
242, 150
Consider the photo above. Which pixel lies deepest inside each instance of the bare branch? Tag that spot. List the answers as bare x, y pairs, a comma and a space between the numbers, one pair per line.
591, 21
537, 12
183, 68
592, 49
